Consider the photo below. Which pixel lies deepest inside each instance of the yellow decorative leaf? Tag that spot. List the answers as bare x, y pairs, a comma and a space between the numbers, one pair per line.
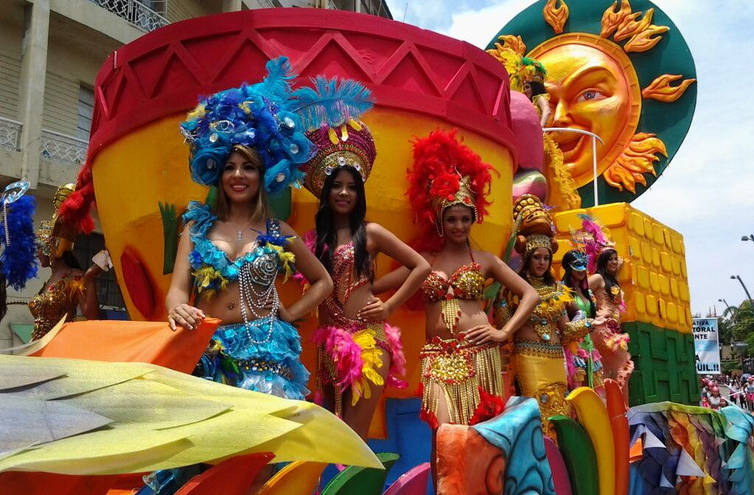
636, 160
626, 24
630, 25
645, 40
154, 428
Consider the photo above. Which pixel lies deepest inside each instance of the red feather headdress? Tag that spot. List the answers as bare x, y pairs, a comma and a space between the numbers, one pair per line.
445, 173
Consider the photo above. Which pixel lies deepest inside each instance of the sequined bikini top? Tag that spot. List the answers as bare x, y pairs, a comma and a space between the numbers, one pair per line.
213, 269
467, 282
606, 302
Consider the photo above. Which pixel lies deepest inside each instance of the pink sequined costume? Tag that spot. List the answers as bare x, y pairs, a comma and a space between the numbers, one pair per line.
610, 342
349, 352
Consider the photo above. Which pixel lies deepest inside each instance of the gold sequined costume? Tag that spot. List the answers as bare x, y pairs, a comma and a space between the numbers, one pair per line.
55, 301
453, 372
62, 297
540, 363
457, 377
538, 354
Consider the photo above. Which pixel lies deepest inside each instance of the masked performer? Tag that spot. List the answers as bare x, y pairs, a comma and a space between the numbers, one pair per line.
68, 287
358, 352
583, 360
247, 143
539, 360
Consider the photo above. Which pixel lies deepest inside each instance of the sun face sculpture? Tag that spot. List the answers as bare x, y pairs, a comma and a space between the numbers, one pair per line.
612, 83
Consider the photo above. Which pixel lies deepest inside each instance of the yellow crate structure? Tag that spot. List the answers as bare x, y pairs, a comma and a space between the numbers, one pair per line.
653, 276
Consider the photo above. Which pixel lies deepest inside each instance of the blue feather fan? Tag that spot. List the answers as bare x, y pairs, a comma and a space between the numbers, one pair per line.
19, 258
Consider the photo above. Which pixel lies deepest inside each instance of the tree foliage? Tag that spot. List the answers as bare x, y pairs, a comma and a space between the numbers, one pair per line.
737, 325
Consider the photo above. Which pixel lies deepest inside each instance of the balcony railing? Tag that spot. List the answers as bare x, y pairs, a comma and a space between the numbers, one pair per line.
136, 13
62, 148
10, 134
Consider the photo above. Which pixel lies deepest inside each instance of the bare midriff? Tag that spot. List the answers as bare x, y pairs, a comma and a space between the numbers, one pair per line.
471, 315
225, 305
528, 334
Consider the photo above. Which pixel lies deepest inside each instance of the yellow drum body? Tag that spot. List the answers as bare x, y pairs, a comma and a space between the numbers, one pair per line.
421, 81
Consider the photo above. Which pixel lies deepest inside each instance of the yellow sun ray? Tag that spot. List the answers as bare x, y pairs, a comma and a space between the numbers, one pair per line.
661, 90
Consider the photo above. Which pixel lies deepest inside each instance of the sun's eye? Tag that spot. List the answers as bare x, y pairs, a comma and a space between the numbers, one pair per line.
590, 95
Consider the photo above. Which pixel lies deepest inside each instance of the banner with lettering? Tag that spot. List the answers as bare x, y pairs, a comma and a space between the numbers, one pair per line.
706, 346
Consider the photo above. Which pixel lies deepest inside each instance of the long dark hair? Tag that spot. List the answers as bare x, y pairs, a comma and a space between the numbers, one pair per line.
324, 220
547, 278
568, 258
610, 280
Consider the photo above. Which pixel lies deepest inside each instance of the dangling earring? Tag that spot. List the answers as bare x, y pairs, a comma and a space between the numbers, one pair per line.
438, 227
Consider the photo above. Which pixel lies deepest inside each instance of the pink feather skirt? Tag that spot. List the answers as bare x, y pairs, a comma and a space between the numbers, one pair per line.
352, 359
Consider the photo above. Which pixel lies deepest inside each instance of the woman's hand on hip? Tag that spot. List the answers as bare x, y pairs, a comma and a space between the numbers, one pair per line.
481, 334
374, 310
285, 315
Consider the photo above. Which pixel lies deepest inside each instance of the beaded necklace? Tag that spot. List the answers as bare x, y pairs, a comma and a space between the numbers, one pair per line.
553, 300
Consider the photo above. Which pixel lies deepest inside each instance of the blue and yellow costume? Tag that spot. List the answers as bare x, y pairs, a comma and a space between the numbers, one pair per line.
260, 355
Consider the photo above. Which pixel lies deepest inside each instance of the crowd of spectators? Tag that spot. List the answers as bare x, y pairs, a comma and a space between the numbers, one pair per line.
723, 390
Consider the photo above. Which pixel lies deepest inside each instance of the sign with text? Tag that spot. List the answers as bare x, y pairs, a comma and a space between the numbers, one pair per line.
706, 346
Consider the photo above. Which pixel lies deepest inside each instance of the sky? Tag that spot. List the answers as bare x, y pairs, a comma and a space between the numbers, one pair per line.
707, 192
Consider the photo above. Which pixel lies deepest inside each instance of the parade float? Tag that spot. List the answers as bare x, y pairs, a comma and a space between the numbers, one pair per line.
621, 71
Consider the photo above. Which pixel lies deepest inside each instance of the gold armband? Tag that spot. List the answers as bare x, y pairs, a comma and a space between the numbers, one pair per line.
574, 330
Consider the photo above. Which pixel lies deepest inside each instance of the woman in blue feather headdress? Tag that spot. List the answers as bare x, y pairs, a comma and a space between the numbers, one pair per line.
247, 143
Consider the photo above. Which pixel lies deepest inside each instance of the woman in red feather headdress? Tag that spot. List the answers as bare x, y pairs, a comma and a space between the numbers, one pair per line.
461, 364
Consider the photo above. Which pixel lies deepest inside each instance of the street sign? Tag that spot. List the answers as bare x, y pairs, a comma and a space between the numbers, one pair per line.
706, 346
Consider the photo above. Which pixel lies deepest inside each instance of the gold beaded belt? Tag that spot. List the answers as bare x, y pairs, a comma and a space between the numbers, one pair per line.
538, 348
261, 365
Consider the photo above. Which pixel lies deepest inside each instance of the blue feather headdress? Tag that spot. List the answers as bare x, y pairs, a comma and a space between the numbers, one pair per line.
19, 258
257, 116
330, 112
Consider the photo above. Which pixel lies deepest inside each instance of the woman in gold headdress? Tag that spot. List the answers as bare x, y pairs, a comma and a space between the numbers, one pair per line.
68, 287
539, 358
461, 365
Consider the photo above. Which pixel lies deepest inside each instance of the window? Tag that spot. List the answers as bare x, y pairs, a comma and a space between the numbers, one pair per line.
85, 106
159, 6
108, 292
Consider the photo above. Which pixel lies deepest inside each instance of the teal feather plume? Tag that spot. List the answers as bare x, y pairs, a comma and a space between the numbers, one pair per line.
328, 102
279, 75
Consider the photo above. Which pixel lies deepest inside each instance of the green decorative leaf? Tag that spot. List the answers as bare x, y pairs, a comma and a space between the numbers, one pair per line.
170, 222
